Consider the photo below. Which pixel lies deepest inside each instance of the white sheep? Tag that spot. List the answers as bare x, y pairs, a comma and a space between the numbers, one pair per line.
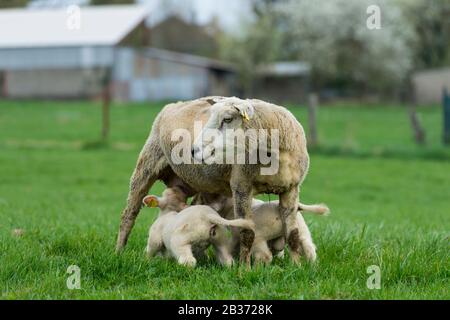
240, 181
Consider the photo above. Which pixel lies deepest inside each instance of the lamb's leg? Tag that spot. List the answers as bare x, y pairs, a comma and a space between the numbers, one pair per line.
242, 197
153, 248
262, 252
288, 211
150, 163
155, 243
277, 246
183, 254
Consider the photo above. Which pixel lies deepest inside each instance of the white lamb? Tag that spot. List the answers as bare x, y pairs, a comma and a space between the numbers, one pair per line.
269, 235
185, 232
269, 239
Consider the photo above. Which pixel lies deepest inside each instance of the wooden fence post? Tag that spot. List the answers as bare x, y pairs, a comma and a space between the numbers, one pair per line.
419, 132
106, 101
312, 119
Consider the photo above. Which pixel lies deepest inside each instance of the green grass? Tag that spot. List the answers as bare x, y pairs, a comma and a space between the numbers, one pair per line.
389, 199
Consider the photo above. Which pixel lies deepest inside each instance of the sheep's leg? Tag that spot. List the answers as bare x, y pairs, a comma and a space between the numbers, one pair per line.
242, 197
288, 211
235, 242
307, 244
150, 163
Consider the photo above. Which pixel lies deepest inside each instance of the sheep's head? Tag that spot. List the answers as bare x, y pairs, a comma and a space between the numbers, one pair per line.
227, 115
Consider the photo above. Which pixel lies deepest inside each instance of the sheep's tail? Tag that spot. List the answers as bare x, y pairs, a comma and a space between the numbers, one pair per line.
320, 209
241, 223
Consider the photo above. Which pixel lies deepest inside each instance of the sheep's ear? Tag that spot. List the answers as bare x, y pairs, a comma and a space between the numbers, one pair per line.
214, 100
211, 101
151, 201
245, 109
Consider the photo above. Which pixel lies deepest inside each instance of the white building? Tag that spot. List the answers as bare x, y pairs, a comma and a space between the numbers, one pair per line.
71, 53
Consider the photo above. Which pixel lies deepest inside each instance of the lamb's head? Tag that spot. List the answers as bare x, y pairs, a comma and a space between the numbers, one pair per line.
172, 199
226, 115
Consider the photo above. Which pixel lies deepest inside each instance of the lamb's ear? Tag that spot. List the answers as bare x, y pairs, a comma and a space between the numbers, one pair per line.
184, 206
151, 201
246, 110
213, 230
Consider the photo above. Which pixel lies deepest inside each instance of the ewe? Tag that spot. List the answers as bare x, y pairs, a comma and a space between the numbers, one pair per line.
241, 181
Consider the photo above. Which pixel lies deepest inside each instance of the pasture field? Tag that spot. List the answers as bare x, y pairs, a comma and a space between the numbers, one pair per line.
390, 202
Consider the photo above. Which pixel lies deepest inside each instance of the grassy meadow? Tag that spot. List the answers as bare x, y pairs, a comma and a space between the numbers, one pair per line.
61, 194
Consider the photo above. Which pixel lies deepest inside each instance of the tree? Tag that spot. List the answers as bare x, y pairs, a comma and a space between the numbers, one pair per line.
13, 3
258, 44
334, 38
431, 23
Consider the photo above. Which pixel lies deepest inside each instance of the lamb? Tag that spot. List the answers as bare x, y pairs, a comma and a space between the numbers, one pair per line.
269, 237
185, 232
240, 181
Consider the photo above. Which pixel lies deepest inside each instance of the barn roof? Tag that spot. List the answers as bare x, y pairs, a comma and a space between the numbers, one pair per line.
99, 26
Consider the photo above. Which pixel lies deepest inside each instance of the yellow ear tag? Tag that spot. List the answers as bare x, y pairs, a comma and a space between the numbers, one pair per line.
245, 116
151, 201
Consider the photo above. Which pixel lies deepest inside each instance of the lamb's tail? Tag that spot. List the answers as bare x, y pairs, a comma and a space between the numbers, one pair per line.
241, 223
320, 209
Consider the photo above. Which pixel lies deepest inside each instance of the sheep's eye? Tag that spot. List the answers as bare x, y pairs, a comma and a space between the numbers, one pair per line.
227, 120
